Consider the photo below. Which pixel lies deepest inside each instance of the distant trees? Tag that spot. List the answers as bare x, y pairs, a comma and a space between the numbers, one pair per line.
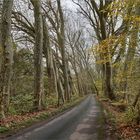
107, 32
116, 28
41, 60
103, 25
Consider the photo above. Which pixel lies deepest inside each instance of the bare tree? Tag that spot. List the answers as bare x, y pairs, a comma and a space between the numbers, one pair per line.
6, 55
38, 55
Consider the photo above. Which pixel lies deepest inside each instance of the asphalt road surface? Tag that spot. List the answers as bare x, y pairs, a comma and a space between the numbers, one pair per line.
83, 122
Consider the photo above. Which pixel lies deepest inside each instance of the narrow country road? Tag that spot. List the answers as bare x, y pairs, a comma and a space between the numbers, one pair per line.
83, 122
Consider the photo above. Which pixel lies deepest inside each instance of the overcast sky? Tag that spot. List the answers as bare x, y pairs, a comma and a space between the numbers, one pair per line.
69, 4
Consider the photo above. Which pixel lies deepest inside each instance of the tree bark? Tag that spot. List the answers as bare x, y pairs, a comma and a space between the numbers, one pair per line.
131, 52
106, 70
61, 37
108, 82
136, 99
48, 55
38, 63
6, 54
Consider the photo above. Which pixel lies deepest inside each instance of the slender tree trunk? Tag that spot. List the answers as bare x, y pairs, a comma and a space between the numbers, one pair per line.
38, 50
131, 53
136, 99
56, 79
80, 92
108, 82
48, 55
92, 80
60, 89
61, 37
78, 82
6, 55
129, 59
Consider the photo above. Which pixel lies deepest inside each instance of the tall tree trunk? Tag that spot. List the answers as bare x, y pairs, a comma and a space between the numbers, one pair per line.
108, 81
61, 37
80, 92
136, 99
92, 81
38, 50
6, 54
106, 68
48, 55
131, 52
57, 91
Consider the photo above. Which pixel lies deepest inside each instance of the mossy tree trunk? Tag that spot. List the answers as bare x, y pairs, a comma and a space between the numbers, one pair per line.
6, 56
38, 62
61, 42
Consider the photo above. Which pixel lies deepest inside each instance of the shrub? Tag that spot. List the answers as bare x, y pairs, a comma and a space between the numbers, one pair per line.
131, 115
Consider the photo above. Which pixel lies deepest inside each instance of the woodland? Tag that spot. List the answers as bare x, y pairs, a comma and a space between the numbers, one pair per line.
54, 53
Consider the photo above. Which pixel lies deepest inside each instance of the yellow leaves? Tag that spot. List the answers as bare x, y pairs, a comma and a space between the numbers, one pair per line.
101, 61
116, 65
124, 9
132, 18
107, 46
115, 7
104, 45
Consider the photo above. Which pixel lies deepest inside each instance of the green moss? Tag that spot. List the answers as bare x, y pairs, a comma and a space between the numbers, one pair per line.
3, 129
131, 115
119, 105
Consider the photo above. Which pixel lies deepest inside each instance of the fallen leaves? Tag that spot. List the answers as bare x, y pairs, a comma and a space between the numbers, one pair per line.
129, 131
122, 129
10, 121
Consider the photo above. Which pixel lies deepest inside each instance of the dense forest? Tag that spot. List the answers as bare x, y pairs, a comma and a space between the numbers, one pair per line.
53, 53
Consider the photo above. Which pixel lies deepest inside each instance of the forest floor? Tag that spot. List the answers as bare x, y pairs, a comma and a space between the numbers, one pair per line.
116, 122
16, 123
